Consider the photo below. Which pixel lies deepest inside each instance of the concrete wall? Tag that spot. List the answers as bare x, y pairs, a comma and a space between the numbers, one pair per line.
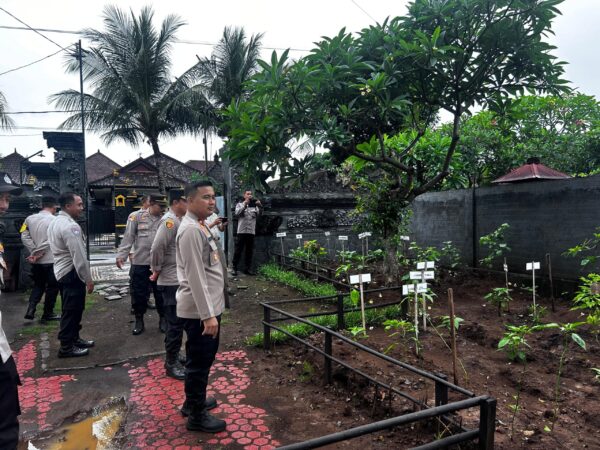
544, 217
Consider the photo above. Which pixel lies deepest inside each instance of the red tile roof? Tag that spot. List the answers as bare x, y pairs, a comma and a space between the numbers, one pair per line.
531, 171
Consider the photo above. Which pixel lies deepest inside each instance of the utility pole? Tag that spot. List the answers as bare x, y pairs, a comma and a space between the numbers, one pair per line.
86, 193
205, 154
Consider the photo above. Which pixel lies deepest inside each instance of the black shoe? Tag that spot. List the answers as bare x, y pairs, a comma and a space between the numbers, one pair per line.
162, 324
84, 343
30, 313
203, 421
210, 403
250, 273
72, 352
48, 317
139, 326
174, 369
181, 358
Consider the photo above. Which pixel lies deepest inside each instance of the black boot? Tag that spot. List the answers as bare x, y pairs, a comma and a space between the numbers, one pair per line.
210, 403
201, 420
174, 368
162, 324
30, 312
139, 325
47, 317
72, 352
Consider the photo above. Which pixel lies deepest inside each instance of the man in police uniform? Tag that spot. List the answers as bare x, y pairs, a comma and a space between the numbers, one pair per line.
140, 232
164, 272
200, 302
72, 270
247, 212
34, 235
9, 377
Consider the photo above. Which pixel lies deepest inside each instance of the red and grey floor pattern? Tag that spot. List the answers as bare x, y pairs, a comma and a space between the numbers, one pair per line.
156, 399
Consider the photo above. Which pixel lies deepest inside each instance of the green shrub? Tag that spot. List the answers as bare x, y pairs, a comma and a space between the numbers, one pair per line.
295, 281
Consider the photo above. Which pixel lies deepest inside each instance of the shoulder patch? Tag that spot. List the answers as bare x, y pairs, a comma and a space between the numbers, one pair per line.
76, 230
23, 227
132, 217
169, 223
1, 248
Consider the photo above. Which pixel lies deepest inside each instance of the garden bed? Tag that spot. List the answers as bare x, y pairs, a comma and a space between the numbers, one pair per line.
489, 371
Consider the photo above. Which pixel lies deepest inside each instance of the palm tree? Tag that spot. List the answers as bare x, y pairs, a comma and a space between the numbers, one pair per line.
232, 62
134, 97
6, 122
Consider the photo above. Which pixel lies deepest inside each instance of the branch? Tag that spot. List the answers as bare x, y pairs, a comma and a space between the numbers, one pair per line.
383, 160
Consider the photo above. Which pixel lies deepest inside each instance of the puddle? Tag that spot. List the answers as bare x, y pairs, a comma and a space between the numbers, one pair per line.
96, 432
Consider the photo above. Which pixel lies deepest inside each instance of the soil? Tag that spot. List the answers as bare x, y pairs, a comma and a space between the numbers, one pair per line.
303, 406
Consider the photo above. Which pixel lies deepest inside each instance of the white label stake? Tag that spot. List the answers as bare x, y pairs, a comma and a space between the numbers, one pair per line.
282, 235
533, 266
360, 279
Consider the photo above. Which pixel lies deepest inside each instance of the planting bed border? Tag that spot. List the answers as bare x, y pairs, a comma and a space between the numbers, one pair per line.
484, 433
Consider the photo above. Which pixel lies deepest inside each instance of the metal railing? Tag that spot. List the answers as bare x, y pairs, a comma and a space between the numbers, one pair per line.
485, 431
321, 272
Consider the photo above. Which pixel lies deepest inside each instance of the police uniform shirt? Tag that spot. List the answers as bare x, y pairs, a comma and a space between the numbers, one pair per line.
5, 351
162, 253
199, 271
246, 218
34, 235
140, 231
66, 243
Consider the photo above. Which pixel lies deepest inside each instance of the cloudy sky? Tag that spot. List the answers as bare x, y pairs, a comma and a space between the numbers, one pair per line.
285, 24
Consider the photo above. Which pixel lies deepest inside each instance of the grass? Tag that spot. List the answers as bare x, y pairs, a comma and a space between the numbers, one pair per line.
352, 319
36, 330
309, 288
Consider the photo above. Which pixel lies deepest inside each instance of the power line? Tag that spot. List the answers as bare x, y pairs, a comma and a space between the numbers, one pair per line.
19, 135
178, 41
44, 112
363, 10
31, 28
34, 62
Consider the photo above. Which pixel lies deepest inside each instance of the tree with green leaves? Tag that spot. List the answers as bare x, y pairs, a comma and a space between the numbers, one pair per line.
135, 98
6, 122
352, 90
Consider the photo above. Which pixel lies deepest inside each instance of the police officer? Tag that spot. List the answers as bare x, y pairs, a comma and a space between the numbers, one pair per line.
164, 272
9, 377
200, 302
247, 212
72, 270
140, 232
145, 201
34, 235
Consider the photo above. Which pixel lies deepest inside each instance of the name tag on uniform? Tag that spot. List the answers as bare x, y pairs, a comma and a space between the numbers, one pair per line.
214, 258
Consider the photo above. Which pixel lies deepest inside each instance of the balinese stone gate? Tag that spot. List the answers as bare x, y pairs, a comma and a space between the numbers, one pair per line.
544, 217
321, 204
69, 162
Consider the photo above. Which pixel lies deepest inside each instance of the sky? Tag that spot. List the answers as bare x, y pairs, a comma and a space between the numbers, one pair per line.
285, 24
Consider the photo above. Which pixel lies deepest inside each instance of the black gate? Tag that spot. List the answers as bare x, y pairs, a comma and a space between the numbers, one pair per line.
102, 226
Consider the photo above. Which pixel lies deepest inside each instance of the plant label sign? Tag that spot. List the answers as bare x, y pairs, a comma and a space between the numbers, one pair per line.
328, 233
420, 266
506, 267
408, 288
533, 266
429, 275
422, 288
404, 238
430, 265
364, 235
415, 275
281, 235
362, 278
343, 238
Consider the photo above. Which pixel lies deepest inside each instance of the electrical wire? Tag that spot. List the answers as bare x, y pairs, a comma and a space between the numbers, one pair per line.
363, 10
31, 28
44, 112
34, 62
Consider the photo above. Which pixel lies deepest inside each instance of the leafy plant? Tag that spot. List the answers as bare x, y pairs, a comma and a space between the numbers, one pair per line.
588, 294
398, 327
537, 313
499, 297
358, 330
450, 254
596, 373
343, 270
587, 246
495, 242
425, 253
445, 321
514, 342
568, 332
293, 280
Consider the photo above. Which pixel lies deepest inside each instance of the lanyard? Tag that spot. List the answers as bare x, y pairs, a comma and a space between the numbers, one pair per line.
208, 234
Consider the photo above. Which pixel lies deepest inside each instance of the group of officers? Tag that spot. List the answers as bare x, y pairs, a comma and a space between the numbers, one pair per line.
177, 255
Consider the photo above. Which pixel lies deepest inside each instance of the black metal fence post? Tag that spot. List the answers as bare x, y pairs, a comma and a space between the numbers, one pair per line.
340, 313
487, 423
266, 328
441, 391
328, 351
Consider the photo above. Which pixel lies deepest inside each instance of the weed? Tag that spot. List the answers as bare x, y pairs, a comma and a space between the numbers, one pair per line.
307, 372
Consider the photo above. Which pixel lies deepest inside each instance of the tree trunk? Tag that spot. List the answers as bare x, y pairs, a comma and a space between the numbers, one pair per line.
391, 268
158, 164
